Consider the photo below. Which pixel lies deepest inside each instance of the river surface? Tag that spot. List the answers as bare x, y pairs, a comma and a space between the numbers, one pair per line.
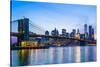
53, 55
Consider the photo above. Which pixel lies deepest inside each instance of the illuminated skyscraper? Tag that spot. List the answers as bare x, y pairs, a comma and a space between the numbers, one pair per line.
78, 34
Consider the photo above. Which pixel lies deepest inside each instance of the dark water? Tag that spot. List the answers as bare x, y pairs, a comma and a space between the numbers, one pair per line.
54, 55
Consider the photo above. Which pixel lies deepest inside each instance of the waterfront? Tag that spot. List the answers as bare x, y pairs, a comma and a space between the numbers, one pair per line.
53, 55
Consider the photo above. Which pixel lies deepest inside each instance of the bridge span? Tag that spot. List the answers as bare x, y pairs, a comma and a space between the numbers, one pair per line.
16, 34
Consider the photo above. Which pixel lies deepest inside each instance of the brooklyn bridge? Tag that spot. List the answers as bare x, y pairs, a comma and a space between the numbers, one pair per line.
25, 26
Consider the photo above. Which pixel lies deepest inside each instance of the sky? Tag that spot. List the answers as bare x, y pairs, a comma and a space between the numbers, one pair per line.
48, 16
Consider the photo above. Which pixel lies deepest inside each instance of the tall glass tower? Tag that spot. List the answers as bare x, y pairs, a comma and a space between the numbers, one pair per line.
90, 32
85, 28
85, 31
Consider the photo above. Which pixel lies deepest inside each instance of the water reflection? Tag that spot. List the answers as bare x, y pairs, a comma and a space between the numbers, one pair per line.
92, 54
23, 57
54, 55
78, 53
84, 53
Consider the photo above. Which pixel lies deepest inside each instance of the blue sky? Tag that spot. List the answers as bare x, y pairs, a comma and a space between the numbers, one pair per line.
50, 15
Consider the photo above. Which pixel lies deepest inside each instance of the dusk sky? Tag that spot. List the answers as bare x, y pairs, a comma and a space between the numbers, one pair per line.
53, 15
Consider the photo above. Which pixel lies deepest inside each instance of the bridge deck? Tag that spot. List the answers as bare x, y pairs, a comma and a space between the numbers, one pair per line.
49, 36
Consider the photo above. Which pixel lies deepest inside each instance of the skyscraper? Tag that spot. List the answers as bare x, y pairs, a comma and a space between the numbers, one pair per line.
63, 32
46, 32
85, 31
55, 32
78, 32
67, 35
45, 39
85, 28
90, 32
73, 33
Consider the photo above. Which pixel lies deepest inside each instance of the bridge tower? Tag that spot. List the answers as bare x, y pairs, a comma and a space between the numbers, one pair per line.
23, 27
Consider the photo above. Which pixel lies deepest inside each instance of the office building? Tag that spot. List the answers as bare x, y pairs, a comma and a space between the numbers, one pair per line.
63, 32
90, 32
55, 32
85, 31
46, 32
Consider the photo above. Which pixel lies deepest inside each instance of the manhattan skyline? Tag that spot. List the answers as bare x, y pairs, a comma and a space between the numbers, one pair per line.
54, 15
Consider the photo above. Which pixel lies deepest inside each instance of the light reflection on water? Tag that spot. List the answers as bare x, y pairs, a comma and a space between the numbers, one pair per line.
54, 55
